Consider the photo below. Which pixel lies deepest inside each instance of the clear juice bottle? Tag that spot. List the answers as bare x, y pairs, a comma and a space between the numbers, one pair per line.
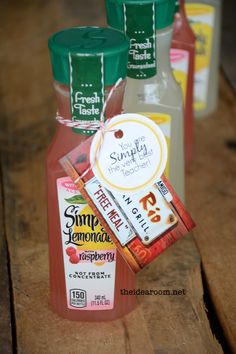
182, 56
87, 273
204, 18
151, 87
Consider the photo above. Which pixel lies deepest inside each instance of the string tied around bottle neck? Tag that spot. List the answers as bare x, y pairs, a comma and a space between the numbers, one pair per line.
99, 125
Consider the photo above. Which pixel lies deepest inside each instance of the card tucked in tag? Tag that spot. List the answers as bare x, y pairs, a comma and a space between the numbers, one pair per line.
119, 171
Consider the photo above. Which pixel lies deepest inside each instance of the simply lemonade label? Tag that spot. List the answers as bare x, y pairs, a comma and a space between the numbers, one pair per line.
201, 18
87, 89
139, 25
179, 60
88, 252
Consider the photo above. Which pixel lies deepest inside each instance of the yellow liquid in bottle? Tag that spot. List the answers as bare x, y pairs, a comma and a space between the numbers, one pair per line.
160, 95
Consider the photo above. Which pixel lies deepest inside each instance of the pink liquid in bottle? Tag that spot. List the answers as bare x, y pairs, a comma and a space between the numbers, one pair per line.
61, 277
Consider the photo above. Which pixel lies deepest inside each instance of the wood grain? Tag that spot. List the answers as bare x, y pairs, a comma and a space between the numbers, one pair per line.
212, 187
5, 312
177, 324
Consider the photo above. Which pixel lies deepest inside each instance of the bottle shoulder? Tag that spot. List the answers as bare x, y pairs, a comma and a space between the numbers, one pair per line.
157, 90
182, 32
64, 140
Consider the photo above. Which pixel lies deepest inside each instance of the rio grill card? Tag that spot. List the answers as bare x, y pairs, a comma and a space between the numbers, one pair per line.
119, 171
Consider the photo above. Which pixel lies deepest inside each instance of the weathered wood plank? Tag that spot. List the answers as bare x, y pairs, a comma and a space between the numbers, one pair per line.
5, 311
212, 199
177, 324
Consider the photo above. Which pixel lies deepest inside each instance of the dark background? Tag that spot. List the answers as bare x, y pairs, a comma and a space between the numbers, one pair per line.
228, 43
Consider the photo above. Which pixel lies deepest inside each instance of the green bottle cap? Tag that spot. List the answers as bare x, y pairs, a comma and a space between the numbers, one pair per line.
92, 41
164, 12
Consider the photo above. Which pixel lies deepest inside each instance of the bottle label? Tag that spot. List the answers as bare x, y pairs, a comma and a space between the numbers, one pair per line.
164, 122
88, 252
139, 23
201, 19
86, 90
179, 59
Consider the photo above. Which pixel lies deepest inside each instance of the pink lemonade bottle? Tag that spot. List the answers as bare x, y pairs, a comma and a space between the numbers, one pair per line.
182, 61
87, 273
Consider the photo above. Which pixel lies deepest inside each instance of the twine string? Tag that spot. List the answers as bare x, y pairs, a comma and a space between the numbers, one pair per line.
93, 125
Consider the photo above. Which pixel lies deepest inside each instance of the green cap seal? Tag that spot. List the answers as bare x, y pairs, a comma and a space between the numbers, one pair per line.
164, 12
88, 59
140, 20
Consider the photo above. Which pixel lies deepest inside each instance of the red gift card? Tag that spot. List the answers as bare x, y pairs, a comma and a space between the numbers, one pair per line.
119, 171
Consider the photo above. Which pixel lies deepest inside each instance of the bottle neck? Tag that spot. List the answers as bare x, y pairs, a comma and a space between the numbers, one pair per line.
163, 44
182, 8
114, 106
145, 65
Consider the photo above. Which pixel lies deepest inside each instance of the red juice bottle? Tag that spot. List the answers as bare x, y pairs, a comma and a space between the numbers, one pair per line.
87, 273
182, 61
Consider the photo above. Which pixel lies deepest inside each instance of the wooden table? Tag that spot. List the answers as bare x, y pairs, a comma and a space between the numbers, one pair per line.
202, 320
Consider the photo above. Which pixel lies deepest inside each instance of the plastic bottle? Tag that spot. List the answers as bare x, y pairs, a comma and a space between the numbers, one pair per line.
204, 18
182, 62
151, 87
86, 63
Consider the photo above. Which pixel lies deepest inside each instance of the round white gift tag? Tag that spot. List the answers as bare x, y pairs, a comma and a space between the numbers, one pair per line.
130, 154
